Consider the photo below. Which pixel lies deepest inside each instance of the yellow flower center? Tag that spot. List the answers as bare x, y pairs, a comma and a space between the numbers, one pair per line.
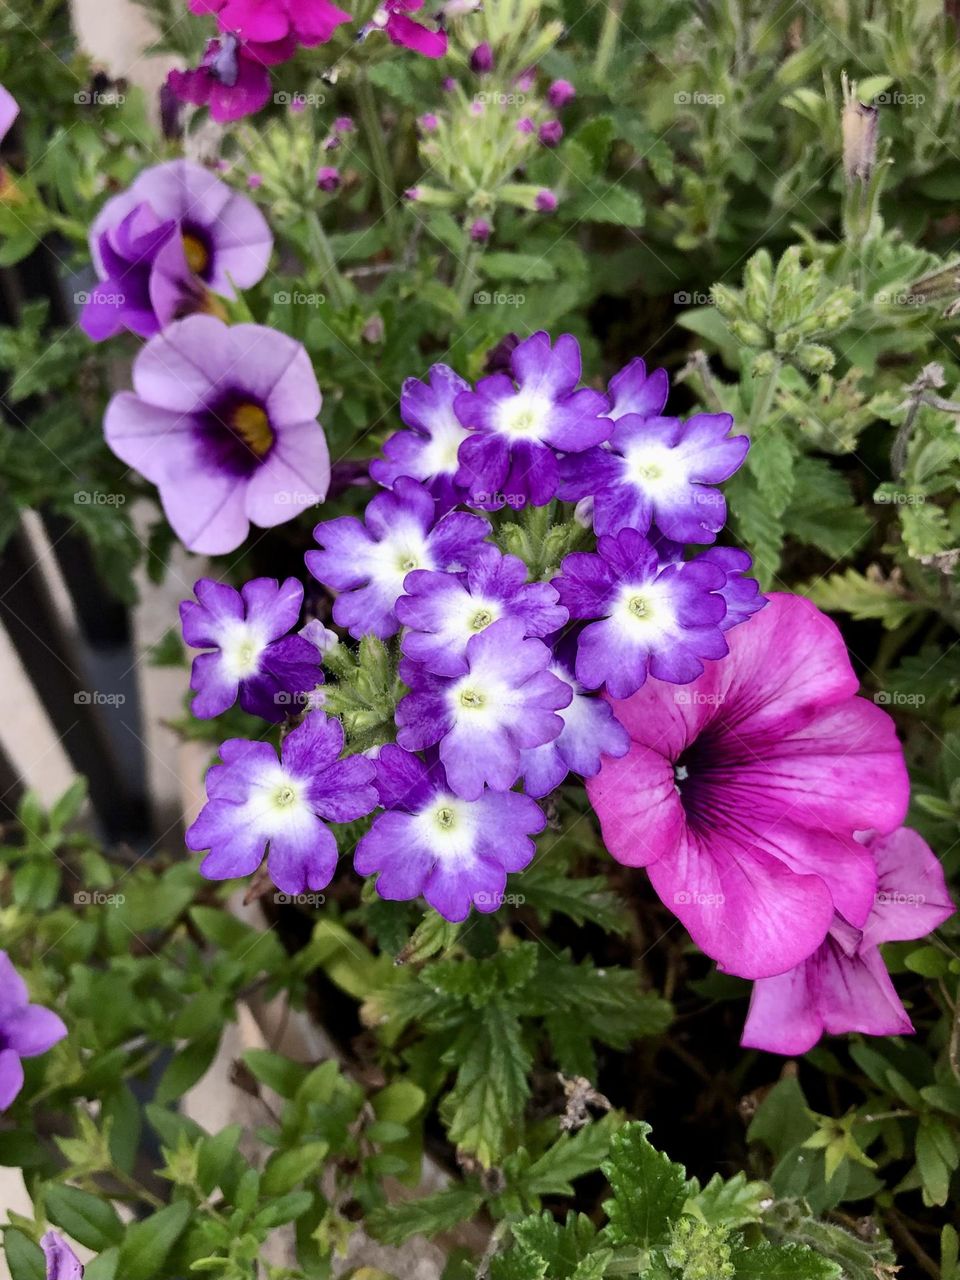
196, 252
639, 607
252, 425
471, 699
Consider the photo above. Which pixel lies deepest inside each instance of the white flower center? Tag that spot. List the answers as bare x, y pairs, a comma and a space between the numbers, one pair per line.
389, 561
448, 826
240, 648
439, 457
654, 468
479, 700
524, 416
644, 611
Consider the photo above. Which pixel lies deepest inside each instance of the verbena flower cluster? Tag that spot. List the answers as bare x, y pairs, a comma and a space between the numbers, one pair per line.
728, 753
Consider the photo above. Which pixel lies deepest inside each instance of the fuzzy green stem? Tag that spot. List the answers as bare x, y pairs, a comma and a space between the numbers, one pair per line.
467, 276
382, 168
607, 44
763, 397
333, 281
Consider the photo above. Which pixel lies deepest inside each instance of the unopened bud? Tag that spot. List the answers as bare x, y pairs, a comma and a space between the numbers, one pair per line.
859, 127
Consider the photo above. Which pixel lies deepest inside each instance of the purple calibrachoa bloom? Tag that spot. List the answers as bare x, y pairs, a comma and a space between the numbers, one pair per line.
368, 561
444, 610
517, 422
844, 986
590, 731
433, 843
223, 419
255, 801
62, 1262
650, 619
658, 471
26, 1030
252, 655
506, 700
428, 451
158, 246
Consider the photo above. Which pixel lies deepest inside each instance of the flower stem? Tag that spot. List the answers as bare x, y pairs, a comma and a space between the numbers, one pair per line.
323, 252
607, 43
466, 276
382, 168
763, 398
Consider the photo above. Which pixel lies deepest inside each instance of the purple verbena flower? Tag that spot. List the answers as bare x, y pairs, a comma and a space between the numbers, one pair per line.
443, 611
428, 451
26, 1030
252, 656
368, 560
176, 232
432, 843
742, 594
560, 93
506, 700
590, 731
635, 391
655, 620
223, 419
256, 801
517, 423
62, 1262
658, 471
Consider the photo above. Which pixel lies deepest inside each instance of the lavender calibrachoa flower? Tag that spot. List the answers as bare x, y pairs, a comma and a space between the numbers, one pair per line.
257, 802
61, 1262
26, 1030
844, 986
590, 732
428, 451
430, 842
742, 793
651, 619
658, 471
506, 700
442, 611
517, 422
368, 561
223, 419
158, 246
252, 655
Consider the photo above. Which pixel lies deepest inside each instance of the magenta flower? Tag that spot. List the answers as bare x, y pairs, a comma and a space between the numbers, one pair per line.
742, 792
9, 110
428, 451
308, 22
644, 618
251, 656
62, 1262
658, 471
176, 232
506, 700
443, 611
26, 1030
392, 18
368, 561
223, 419
844, 986
430, 842
517, 422
256, 802
233, 78
560, 93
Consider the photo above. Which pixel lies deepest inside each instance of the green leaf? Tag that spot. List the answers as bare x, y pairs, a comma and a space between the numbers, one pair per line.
571, 1156
492, 1083
516, 266
733, 1203
605, 202
287, 1209
765, 1261
186, 1067
285, 1169
148, 1243
277, 1073
863, 597
25, 1259
649, 1190
89, 1219
395, 1223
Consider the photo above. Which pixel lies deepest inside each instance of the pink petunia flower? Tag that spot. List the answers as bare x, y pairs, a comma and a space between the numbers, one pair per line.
392, 18
742, 792
844, 986
310, 22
